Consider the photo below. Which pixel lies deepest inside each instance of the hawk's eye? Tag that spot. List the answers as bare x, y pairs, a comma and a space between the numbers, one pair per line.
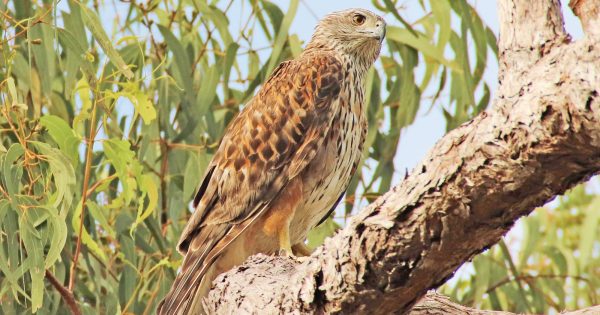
359, 19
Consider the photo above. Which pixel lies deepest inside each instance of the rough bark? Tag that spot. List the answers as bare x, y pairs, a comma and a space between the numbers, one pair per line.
541, 138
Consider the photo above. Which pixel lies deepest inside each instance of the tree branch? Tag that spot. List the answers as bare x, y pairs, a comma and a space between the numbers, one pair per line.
65, 293
541, 138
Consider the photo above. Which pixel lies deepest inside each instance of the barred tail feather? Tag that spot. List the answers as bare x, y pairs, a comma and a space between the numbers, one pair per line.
197, 273
193, 271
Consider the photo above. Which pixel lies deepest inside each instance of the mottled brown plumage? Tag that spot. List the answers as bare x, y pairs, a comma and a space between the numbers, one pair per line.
284, 161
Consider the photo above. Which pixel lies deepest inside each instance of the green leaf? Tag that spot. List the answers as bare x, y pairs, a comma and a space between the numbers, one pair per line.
148, 188
275, 15
228, 63
63, 135
33, 245
515, 273
217, 17
317, 236
83, 89
442, 12
44, 54
95, 26
7, 267
531, 240
144, 107
75, 59
391, 8
208, 90
421, 44
482, 278
98, 214
58, 234
222, 23
119, 154
589, 232
282, 35
556, 286
12, 91
63, 173
86, 238
557, 258
12, 173
190, 182
182, 62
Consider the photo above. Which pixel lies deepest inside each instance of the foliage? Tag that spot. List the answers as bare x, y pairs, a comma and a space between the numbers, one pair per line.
555, 266
106, 129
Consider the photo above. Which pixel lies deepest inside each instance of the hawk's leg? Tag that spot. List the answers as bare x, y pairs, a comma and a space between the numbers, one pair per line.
285, 246
278, 218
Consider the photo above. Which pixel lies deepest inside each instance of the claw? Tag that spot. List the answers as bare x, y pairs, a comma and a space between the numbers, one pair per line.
286, 253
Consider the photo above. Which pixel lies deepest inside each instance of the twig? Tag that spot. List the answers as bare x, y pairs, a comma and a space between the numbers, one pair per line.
100, 182
4, 192
86, 179
66, 294
164, 148
24, 29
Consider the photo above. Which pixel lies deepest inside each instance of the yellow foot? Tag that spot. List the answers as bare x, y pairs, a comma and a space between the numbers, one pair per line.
285, 246
286, 253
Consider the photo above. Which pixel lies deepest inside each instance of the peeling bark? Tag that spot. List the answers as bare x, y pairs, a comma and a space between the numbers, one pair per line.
541, 138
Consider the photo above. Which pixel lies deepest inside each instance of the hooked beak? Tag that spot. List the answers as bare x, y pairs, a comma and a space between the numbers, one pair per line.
380, 31
382, 37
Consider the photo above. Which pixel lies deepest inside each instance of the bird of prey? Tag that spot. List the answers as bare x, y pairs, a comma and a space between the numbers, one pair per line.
284, 161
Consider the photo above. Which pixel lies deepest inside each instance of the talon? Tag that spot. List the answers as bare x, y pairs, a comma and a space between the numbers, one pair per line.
286, 253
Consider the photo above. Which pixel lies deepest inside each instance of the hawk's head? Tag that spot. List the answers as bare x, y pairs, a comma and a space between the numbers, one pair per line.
358, 32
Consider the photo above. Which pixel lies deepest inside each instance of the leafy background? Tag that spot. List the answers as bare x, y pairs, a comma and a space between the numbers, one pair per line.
107, 125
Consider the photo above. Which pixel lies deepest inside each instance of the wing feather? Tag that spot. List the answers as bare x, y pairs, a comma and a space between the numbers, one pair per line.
269, 143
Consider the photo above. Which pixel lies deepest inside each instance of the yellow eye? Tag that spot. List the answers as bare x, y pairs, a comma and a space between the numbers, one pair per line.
359, 19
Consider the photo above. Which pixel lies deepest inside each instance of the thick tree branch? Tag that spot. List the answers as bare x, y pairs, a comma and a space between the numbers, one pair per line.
528, 30
541, 138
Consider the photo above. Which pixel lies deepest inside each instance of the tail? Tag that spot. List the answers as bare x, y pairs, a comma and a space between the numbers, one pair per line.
203, 288
196, 272
189, 302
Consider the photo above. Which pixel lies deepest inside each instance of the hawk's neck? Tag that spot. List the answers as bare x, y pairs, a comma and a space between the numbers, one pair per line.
355, 68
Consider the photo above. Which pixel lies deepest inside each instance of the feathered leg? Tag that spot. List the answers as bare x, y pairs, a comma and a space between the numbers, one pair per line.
279, 217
